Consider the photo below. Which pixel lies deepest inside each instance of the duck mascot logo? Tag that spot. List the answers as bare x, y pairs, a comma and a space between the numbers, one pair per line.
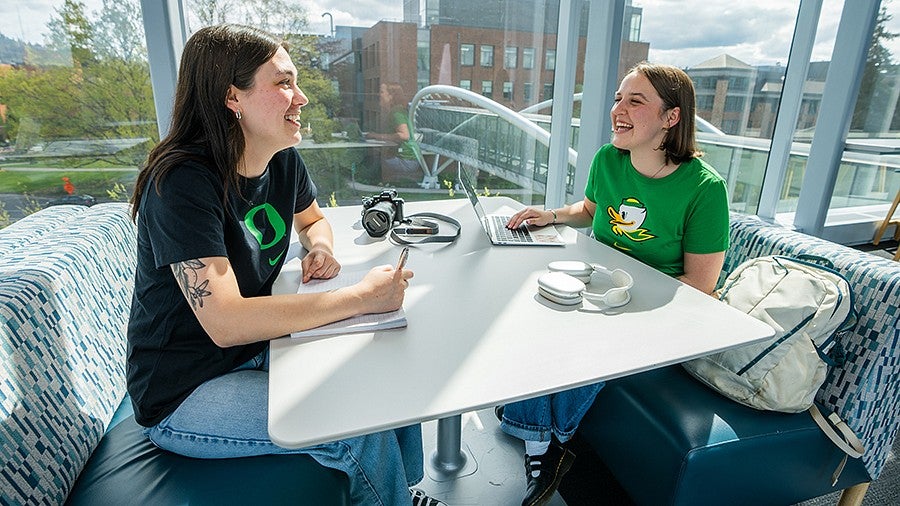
628, 219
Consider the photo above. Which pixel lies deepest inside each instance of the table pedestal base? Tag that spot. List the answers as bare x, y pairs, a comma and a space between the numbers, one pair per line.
451, 459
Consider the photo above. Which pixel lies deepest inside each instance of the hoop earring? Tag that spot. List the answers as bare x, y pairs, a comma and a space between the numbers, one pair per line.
237, 114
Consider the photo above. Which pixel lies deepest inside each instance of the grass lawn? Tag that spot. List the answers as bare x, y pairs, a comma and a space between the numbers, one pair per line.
49, 183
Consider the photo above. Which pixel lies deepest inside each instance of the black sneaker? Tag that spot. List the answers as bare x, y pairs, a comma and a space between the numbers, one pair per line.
552, 466
419, 498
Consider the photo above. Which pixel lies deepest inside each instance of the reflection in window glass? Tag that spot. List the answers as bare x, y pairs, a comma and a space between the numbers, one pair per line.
465, 84
507, 90
76, 106
528, 91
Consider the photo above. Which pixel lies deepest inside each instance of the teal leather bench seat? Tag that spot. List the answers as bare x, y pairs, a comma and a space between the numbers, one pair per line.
126, 468
670, 440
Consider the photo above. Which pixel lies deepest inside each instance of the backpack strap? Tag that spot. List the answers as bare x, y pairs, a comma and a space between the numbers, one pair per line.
847, 440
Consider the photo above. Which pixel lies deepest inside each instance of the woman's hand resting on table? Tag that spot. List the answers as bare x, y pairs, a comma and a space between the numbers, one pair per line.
319, 264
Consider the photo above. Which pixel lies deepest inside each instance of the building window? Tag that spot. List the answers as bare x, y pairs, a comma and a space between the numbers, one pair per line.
548, 91
507, 90
550, 59
527, 57
511, 57
734, 104
467, 55
634, 34
466, 84
738, 83
528, 91
487, 55
487, 89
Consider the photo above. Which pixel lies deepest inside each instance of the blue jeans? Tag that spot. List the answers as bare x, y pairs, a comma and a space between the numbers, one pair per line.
227, 417
549, 415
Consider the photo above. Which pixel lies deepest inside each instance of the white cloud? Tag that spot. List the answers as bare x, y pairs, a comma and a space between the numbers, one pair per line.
680, 32
356, 13
27, 19
688, 32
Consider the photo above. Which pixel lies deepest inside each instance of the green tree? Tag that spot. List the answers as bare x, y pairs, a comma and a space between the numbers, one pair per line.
71, 31
871, 101
102, 92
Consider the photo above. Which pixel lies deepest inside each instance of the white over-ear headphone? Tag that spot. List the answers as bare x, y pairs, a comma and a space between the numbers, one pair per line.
566, 284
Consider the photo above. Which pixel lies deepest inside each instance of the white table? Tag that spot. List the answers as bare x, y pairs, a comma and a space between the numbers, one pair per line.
479, 335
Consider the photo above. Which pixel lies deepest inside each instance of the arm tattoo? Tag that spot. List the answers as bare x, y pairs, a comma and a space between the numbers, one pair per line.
194, 289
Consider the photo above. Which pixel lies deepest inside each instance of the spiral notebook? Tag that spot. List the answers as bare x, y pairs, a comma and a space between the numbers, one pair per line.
361, 323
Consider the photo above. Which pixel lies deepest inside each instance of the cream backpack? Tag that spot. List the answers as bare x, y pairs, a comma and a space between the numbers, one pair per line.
809, 305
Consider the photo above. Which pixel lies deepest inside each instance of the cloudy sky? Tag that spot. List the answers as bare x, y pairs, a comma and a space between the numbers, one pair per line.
680, 32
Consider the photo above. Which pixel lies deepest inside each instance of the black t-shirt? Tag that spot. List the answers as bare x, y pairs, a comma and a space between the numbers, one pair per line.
169, 353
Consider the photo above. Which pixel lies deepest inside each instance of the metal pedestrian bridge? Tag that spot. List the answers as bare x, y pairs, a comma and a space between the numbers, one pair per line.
455, 126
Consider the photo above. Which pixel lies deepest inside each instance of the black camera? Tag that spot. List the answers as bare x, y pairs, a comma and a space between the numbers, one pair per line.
381, 212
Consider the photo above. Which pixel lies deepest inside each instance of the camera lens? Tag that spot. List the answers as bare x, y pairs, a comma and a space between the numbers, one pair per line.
378, 219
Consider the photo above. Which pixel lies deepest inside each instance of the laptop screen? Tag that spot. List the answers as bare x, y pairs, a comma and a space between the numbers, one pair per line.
467, 181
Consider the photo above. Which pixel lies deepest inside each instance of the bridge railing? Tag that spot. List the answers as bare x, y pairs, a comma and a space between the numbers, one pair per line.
465, 127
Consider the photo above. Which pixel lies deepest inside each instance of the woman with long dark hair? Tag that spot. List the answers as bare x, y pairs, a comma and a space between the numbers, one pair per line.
213, 206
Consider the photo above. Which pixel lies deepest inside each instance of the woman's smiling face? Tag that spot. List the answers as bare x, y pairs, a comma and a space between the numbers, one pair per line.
270, 109
638, 116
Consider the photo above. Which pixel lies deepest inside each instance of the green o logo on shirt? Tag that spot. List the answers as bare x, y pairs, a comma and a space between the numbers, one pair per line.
279, 228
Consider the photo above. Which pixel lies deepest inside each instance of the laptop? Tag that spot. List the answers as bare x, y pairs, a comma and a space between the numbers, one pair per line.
494, 225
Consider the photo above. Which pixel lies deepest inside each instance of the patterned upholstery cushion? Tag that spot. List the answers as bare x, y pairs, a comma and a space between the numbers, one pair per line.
865, 391
35, 226
65, 293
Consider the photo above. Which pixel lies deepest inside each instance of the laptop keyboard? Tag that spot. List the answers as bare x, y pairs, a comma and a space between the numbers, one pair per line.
505, 234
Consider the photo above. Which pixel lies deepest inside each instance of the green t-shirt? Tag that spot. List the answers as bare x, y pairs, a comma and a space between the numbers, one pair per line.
658, 220
409, 148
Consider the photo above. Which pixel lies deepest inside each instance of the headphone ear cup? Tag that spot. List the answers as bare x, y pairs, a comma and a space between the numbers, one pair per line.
561, 288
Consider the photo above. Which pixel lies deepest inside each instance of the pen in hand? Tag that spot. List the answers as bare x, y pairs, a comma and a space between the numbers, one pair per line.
404, 254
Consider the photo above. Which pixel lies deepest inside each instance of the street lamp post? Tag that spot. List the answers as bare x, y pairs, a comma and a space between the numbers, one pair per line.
330, 22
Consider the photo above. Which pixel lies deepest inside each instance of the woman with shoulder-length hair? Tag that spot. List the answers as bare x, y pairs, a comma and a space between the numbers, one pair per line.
650, 196
213, 207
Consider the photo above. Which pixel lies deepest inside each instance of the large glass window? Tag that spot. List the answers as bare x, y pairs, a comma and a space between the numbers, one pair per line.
869, 174
737, 77
75, 93
76, 105
739, 80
